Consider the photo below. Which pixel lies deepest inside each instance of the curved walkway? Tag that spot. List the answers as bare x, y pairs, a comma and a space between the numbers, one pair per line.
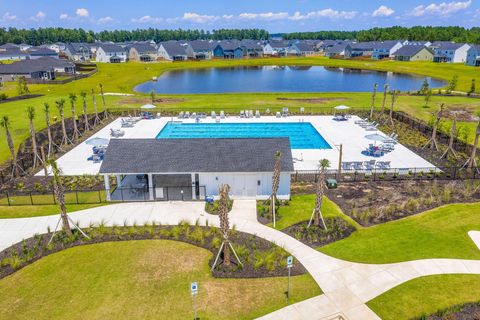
347, 286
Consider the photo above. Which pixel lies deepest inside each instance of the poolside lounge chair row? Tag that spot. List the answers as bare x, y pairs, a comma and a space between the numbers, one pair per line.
117, 133
365, 165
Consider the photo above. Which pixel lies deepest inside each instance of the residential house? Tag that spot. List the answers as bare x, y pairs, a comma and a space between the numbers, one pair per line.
143, 52
111, 53
77, 51
59, 65
228, 49
251, 48
9, 46
413, 53
57, 47
38, 52
338, 50
201, 49
450, 52
12, 54
384, 49
29, 69
173, 51
276, 48
359, 49
302, 48
184, 169
473, 56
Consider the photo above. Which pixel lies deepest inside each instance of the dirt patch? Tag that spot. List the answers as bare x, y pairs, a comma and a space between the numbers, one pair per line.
140, 100
313, 100
461, 112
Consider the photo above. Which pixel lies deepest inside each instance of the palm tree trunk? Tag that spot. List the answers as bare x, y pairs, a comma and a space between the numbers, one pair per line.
59, 194
105, 111
49, 135
319, 200
85, 115
65, 140
97, 118
385, 92
34, 144
473, 156
226, 253
76, 133
11, 147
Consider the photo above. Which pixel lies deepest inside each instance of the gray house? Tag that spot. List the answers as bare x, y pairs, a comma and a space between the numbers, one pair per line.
302, 48
38, 52
385, 49
201, 49
172, 51
78, 51
190, 169
473, 56
26, 68
413, 53
143, 52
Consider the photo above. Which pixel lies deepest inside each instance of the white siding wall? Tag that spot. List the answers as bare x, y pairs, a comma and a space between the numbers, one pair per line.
461, 54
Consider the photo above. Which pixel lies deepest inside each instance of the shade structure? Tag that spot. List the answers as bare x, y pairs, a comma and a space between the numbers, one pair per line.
342, 107
97, 141
148, 106
376, 137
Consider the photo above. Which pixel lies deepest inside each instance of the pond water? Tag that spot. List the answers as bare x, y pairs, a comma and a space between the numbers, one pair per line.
281, 79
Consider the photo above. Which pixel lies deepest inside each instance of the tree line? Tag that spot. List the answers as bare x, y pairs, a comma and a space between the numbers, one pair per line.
417, 33
51, 35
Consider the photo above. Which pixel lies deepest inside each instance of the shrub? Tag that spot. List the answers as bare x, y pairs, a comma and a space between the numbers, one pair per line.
216, 242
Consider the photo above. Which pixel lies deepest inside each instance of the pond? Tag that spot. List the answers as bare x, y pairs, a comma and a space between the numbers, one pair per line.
281, 79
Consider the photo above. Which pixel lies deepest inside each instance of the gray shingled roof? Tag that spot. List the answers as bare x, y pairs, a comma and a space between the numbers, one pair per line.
142, 48
109, 47
409, 50
446, 45
174, 48
305, 47
34, 65
42, 51
201, 45
195, 155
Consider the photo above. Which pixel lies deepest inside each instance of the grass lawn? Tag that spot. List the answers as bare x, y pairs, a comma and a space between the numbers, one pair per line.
139, 280
438, 233
27, 211
300, 209
123, 77
426, 295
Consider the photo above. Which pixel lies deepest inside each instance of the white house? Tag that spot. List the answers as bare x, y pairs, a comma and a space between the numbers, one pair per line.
174, 51
385, 49
276, 48
111, 53
473, 56
191, 169
450, 52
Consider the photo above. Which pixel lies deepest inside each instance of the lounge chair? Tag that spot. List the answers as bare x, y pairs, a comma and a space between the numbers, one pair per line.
222, 114
257, 114
213, 114
194, 115
302, 110
187, 114
278, 115
217, 120
127, 124
383, 165
361, 121
180, 115
267, 111
347, 166
242, 113
117, 133
285, 112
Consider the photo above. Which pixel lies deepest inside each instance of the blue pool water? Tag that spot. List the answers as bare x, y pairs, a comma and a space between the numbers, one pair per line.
302, 135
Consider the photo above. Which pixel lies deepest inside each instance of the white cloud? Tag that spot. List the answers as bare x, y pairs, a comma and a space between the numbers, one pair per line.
40, 16
105, 20
269, 16
383, 11
198, 18
63, 16
82, 12
147, 19
8, 17
325, 13
440, 9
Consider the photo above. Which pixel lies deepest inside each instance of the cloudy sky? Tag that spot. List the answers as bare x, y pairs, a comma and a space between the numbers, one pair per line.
273, 15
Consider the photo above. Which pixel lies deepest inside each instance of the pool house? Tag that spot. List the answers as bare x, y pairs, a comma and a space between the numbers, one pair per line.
191, 169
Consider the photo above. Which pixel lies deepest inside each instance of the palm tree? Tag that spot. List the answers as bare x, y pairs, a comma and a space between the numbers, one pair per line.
31, 116
433, 139
374, 94
275, 185
385, 92
59, 193
320, 190
471, 162
76, 133
5, 123
97, 118
61, 106
46, 110
83, 94
394, 98
105, 111
224, 223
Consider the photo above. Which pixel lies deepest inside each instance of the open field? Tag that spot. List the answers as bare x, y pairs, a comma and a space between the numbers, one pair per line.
438, 233
426, 295
123, 77
88, 282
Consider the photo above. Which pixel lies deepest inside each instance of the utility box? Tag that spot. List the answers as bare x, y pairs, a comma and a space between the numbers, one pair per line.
332, 184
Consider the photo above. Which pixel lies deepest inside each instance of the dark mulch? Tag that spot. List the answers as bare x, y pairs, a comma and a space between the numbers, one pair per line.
313, 236
26, 96
250, 248
469, 311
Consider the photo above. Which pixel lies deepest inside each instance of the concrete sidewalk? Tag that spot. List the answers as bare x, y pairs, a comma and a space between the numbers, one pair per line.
347, 286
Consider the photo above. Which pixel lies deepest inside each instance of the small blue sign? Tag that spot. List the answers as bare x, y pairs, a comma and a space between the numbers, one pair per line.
194, 288
289, 262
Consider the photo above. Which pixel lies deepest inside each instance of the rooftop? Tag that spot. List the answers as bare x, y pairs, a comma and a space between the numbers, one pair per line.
195, 155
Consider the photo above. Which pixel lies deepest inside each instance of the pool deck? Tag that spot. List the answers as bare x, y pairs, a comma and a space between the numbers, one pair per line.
347, 133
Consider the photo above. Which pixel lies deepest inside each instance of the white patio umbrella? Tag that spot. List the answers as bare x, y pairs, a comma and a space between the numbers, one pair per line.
148, 106
376, 137
342, 107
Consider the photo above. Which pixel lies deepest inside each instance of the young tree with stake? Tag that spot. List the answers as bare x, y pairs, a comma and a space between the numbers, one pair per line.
319, 193
31, 116
275, 185
76, 133
60, 104
5, 123
83, 94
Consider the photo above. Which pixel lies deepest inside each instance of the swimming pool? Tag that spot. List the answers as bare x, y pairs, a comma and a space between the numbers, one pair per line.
302, 135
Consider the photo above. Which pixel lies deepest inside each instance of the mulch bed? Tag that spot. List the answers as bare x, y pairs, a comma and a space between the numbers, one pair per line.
250, 248
24, 97
469, 311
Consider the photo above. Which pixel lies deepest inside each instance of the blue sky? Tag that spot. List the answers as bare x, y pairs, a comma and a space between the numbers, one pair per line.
273, 15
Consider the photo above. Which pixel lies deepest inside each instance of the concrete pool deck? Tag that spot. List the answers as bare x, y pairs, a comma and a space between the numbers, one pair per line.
347, 133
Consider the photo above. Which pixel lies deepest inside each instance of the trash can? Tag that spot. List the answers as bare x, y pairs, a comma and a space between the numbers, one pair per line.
332, 184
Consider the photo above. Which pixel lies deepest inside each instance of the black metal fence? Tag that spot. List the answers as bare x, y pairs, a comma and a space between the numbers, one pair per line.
446, 173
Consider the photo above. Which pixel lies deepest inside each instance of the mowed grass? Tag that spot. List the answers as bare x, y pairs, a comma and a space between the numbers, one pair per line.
300, 209
438, 233
10, 212
139, 280
123, 78
426, 295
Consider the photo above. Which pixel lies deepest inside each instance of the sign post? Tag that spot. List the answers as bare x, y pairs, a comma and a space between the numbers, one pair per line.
289, 266
194, 292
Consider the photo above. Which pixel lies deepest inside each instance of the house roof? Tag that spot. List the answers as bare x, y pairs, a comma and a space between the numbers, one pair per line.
251, 44
42, 51
446, 45
279, 44
12, 52
34, 65
111, 47
77, 47
388, 44
9, 46
338, 48
201, 45
229, 44
174, 48
305, 47
195, 155
410, 50
143, 48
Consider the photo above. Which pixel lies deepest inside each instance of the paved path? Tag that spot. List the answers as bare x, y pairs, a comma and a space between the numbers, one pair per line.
347, 286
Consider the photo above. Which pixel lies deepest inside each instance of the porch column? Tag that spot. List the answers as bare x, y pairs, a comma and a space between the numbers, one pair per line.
119, 181
150, 186
107, 187
194, 196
